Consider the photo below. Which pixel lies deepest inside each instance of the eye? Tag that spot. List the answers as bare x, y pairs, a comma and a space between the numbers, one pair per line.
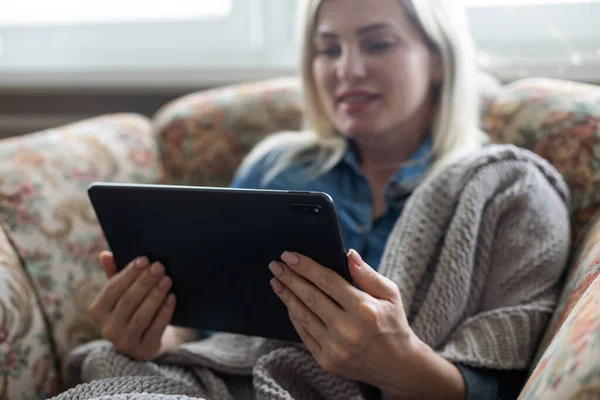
329, 51
378, 47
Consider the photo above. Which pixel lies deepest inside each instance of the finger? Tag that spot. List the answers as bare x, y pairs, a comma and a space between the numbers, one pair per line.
370, 280
311, 343
136, 293
142, 317
112, 291
109, 266
309, 294
160, 322
298, 310
324, 278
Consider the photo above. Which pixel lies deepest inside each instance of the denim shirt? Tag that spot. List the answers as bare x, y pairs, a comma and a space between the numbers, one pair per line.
351, 193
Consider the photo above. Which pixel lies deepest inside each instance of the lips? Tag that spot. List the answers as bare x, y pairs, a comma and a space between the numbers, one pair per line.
356, 101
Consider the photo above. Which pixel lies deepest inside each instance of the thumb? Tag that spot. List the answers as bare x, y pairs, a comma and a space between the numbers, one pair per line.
107, 260
368, 279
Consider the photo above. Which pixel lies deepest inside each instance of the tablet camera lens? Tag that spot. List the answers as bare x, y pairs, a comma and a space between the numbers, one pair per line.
306, 209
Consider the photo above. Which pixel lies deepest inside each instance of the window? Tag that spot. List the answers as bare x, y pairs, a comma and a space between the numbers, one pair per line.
555, 38
75, 12
508, 3
199, 42
140, 42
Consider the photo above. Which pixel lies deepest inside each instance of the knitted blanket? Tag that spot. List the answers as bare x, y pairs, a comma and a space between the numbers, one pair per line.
478, 254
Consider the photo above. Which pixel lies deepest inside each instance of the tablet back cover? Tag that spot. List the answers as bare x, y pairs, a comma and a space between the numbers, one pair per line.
216, 245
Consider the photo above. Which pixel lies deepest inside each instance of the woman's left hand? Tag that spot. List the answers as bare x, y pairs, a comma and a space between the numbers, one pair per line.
359, 335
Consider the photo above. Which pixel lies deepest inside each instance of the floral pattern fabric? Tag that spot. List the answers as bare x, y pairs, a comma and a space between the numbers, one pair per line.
27, 362
583, 270
560, 121
203, 137
570, 367
45, 211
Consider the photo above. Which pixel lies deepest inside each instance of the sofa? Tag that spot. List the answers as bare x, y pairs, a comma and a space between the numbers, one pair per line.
50, 239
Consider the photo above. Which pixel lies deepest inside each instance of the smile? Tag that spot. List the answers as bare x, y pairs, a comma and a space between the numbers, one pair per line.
356, 102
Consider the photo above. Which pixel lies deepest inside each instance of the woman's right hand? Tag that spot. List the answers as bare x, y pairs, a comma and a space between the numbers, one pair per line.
134, 307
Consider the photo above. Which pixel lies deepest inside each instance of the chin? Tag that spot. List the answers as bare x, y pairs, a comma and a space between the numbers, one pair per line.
358, 130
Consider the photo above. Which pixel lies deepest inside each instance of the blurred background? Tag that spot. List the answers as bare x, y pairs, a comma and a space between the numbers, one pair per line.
65, 60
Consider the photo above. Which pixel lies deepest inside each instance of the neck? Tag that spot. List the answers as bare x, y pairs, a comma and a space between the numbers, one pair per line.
382, 155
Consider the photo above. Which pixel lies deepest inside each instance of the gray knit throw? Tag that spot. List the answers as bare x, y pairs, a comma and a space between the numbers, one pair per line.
478, 254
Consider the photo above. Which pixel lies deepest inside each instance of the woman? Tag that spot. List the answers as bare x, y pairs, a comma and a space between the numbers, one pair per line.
391, 102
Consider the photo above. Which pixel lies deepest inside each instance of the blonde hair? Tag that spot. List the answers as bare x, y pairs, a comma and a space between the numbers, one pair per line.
455, 129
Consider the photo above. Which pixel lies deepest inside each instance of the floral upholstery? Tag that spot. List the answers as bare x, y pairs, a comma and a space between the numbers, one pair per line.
563, 366
49, 240
27, 362
584, 269
204, 136
570, 367
44, 210
560, 121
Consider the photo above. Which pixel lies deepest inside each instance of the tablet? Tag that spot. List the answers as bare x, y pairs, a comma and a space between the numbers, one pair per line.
216, 245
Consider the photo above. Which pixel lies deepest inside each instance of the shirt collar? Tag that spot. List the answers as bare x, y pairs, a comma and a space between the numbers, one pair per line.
408, 176
412, 172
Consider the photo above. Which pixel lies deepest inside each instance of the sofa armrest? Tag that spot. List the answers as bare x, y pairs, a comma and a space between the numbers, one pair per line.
27, 363
570, 366
202, 137
45, 211
584, 269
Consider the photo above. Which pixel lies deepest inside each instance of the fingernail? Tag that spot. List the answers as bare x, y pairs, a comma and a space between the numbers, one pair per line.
141, 262
277, 286
164, 282
289, 258
357, 258
276, 268
157, 270
170, 299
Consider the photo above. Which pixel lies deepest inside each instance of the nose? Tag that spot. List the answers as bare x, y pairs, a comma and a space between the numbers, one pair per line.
351, 65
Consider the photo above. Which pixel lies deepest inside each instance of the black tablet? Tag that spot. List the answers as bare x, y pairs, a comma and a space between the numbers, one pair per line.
216, 245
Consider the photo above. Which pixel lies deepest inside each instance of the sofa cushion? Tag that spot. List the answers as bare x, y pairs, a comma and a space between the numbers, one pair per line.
45, 209
560, 121
202, 137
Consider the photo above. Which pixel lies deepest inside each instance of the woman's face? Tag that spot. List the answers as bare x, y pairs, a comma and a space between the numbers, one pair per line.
372, 68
